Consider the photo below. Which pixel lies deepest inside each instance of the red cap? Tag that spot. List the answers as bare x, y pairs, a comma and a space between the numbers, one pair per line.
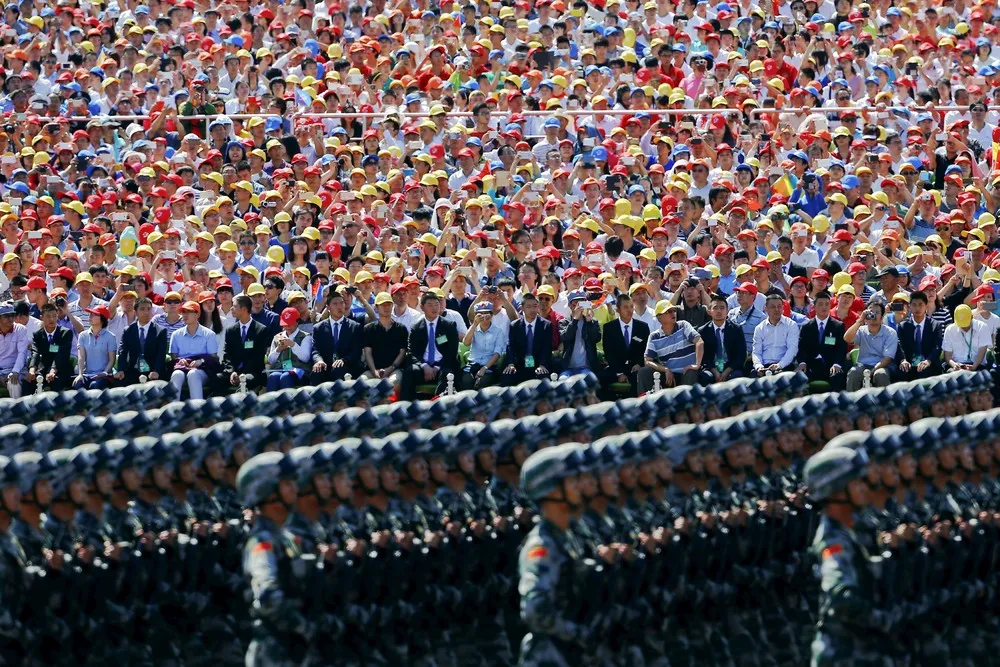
37, 283
100, 310
289, 317
855, 268
724, 249
981, 293
749, 288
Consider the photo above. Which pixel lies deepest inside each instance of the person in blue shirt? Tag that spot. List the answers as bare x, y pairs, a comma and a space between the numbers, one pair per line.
808, 197
487, 343
195, 350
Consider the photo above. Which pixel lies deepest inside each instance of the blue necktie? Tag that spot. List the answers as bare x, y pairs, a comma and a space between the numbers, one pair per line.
820, 332
430, 344
336, 335
721, 353
531, 338
917, 338
142, 342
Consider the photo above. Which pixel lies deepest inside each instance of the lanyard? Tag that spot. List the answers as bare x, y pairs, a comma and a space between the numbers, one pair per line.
968, 344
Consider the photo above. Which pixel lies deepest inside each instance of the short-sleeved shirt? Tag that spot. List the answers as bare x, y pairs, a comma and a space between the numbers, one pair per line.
964, 345
385, 343
184, 344
97, 348
487, 343
873, 348
674, 351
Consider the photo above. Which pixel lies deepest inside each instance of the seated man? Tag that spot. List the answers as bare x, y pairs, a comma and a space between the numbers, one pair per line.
247, 343
625, 340
195, 349
487, 342
433, 349
529, 345
290, 356
143, 347
675, 351
14, 347
775, 340
966, 341
385, 342
876, 343
50, 361
580, 335
336, 342
822, 354
920, 342
726, 354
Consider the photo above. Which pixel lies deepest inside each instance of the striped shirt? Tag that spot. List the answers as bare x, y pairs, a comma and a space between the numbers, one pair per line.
748, 321
673, 351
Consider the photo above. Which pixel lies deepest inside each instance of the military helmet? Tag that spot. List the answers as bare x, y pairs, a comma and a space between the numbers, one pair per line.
99, 457
830, 470
259, 477
68, 465
33, 466
308, 461
10, 471
544, 471
339, 455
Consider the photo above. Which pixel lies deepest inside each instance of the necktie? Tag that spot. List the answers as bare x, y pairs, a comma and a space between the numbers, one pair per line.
50, 339
721, 349
142, 341
917, 337
431, 348
243, 332
336, 335
820, 332
627, 339
531, 337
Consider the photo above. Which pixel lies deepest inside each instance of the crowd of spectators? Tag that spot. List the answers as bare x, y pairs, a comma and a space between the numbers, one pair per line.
288, 193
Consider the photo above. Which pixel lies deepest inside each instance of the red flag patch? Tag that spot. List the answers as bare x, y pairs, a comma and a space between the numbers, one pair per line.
537, 552
832, 551
263, 546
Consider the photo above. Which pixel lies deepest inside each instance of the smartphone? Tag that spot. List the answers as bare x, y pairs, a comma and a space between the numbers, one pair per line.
8, 159
628, 161
414, 145
586, 305
380, 211
941, 136
120, 217
34, 236
502, 179
524, 155
589, 142
538, 187
492, 236
346, 196
483, 253
168, 254
574, 104
595, 258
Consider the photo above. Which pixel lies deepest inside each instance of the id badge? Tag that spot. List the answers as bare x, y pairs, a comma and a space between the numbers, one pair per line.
248, 345
917, 358
286, 365
441, 340
143, 366
829, 340
529, 361
53, 348
720, 364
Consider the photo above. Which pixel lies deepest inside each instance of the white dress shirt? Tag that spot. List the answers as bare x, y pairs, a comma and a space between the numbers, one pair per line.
775, 343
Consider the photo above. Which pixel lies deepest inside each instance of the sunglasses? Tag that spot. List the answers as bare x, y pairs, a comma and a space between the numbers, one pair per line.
172, 302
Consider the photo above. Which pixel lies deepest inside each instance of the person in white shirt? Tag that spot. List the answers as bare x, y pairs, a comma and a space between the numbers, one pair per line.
401, 312
985, 302
775, 340
965, 341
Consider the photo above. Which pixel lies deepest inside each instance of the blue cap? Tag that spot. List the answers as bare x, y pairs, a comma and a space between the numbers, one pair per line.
369, 159
470, 85
953, 169
272, 124
840, 82
850, 182
474, 141
590, 69
237, 41
48, 11
872, 79
339, 130
924, 116
743, 166
894, 11
546, 82
496, 53
680, 148
903, 269
142, 9
635, 188
7, 308
844, 25
599, 153
552, 122
20, 187
680, 48
411, 98
152, 86
799, 155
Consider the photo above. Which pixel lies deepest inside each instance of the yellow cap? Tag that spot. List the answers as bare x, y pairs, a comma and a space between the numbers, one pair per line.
663, 306
963, 316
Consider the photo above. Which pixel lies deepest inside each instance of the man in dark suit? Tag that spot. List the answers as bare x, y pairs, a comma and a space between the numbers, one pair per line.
433, 350
822, 352
50, 361
143, 347
336, 343
525, 361
625, 341
918, 354
247, 342
580, 334
721, 363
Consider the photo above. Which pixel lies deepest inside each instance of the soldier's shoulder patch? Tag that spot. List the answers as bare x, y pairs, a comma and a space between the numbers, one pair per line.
537, 552
263, 546
832, 551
